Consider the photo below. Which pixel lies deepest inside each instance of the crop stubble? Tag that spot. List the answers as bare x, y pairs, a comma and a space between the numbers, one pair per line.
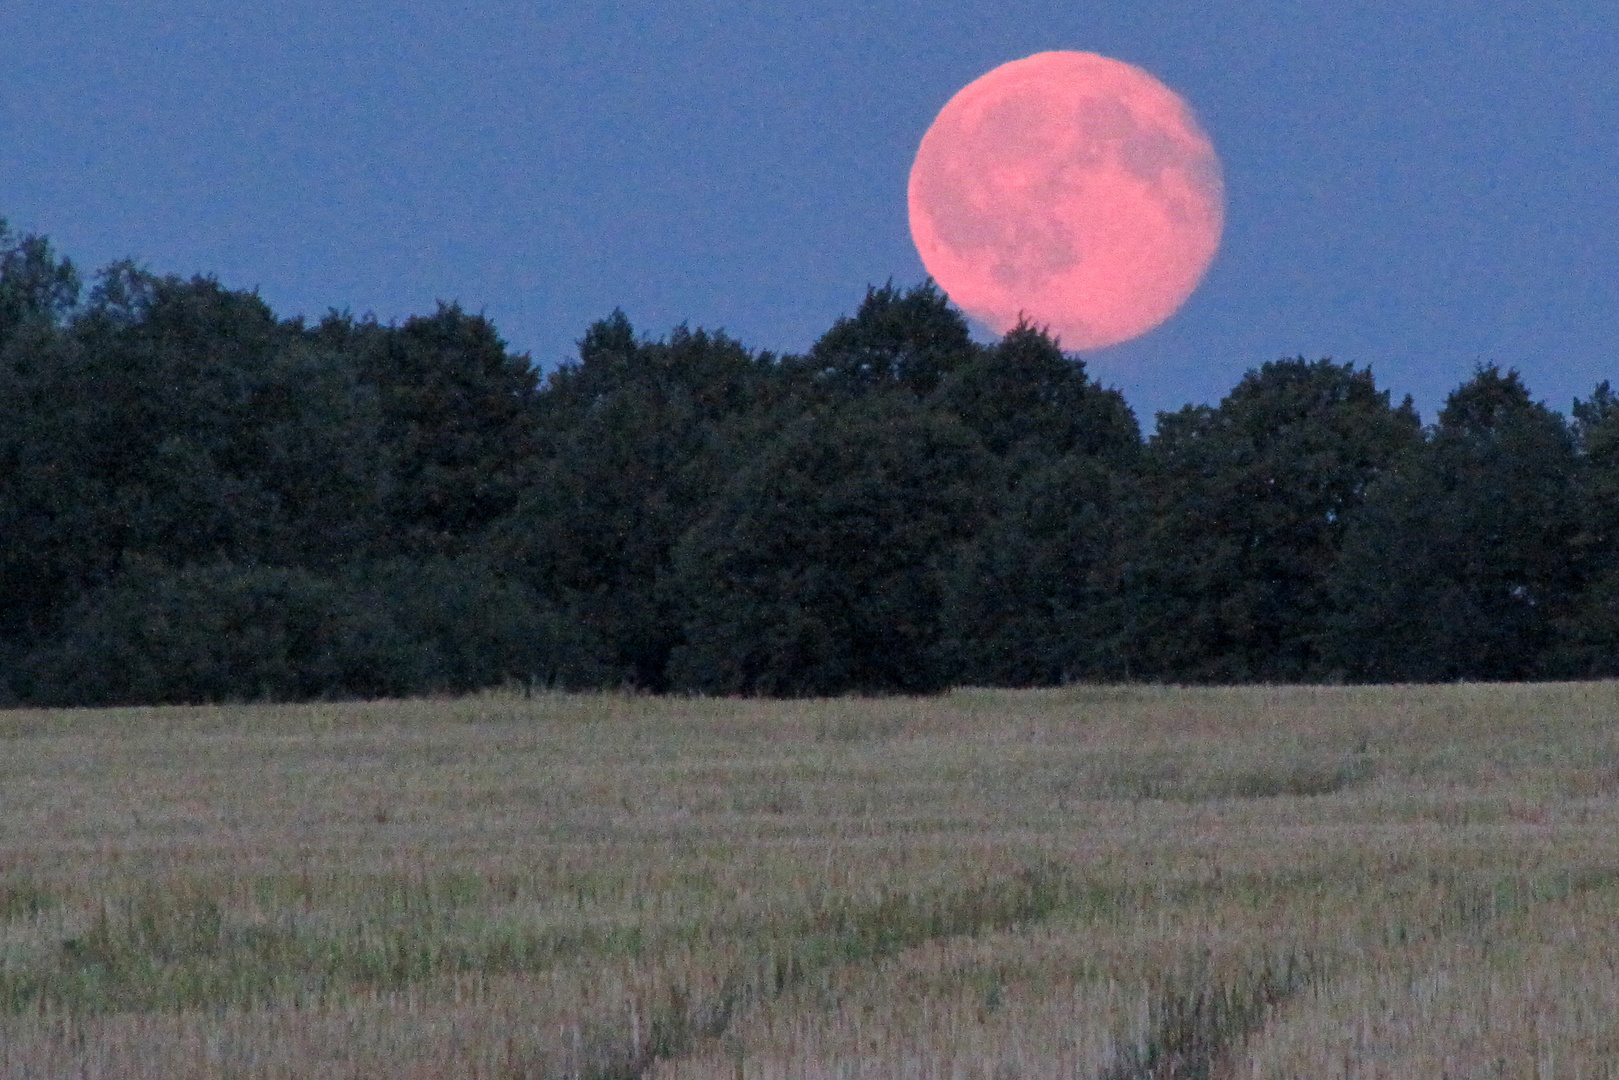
1106, 883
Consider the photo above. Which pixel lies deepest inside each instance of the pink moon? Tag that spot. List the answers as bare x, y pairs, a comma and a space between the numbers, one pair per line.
1071, 190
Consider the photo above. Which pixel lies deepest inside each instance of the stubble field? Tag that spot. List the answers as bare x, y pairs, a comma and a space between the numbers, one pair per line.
1109, 884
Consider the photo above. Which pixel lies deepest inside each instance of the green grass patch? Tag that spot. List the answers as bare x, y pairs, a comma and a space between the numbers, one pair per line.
23, 899
1174, 782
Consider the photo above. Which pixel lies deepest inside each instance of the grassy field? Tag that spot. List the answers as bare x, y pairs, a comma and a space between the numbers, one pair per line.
1111, 884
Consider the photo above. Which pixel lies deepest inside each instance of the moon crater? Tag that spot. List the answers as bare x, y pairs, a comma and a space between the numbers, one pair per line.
1069, 188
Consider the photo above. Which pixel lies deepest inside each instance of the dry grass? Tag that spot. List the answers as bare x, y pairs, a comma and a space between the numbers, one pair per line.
1109, 884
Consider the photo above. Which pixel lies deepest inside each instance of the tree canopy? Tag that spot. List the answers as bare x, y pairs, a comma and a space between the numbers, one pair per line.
1240, 515
202, 501
1463, 556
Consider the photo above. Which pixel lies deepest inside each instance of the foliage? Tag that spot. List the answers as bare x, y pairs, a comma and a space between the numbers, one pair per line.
820, 569
1587, 632
458, 421
227, 632
174, 420
35, 287
1033, 597
1459, 563
897, 340
1032, 405
200, 501
1241, 515
637, 437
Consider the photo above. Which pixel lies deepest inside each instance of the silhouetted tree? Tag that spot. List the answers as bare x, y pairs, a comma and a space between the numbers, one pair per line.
459, 421
908, 339
36, 291
224, 631
1458, 565
637, 443
1241, 517
821, 569
1033, 597
201, 502
1029, 402
35, 286
178, 420
1586, 642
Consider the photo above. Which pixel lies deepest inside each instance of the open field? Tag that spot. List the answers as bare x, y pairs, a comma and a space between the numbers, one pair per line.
1113, 884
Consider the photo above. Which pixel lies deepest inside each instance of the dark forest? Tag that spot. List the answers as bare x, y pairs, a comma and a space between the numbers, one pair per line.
200, 501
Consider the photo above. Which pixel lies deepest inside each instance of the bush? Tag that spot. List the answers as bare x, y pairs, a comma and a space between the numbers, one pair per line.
230, 632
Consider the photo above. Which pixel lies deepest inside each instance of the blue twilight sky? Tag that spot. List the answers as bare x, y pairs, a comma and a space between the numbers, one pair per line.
1417, 185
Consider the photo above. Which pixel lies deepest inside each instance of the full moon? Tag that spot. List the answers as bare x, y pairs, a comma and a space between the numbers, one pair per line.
1069, 189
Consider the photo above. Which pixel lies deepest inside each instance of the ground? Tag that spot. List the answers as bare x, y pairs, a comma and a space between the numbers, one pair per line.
1107, 883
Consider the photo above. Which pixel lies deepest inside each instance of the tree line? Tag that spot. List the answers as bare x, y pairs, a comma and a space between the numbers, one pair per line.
200, 501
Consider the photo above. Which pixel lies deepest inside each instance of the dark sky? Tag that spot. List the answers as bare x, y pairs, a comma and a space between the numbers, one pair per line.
1417, 186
